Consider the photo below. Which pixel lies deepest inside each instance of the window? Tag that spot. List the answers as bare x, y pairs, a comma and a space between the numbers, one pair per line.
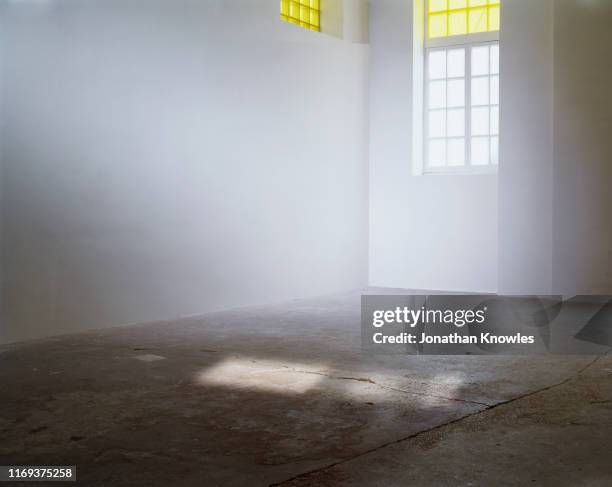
461, 120
459, 17
306, 13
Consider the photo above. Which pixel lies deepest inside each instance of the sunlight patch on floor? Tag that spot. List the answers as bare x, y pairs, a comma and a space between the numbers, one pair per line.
269, 376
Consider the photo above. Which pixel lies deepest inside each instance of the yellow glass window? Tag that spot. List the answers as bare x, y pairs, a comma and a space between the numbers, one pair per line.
458, 17
306, 13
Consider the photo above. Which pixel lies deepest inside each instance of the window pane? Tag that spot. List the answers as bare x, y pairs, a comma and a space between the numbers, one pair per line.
437, 123
437, 153
305, 13
480, 60
495, 150
480, 151
494, 18
437, 25
495, 59
314, 18
480, 121
437, 64
494, 90
456, 152
437, 94
457, 23
456, 63
456, 93
460, 17
480, 91
294, 9
454, 140
478, 20
456, 123
495, 120
437, 5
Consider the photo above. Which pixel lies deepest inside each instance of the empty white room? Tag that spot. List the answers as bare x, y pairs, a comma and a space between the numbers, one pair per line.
306, 242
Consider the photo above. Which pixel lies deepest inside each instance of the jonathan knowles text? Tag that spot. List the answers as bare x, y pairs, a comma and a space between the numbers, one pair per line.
456, 317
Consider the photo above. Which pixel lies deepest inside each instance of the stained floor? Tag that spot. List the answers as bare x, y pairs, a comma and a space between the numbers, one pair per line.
283, 395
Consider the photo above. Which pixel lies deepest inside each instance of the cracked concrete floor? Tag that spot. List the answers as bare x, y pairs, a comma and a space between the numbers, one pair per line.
282, 395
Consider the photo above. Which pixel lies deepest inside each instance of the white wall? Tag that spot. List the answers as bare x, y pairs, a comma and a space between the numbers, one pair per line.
426, 232
555, 198
583, 147
526, 147
167, 158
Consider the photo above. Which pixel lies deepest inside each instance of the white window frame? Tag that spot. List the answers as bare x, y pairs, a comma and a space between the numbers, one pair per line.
466, 42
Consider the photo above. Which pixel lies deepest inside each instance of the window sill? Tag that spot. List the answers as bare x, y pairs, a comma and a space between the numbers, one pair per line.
461, 171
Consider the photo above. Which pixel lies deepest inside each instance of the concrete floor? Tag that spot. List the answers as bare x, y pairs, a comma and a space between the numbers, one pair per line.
282, 395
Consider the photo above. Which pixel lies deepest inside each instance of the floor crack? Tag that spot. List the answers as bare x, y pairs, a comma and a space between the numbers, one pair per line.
389, 388
442, 425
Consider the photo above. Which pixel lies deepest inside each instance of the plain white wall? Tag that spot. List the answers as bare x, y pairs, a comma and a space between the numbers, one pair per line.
426, 232
583, 148
526, 147
556, 151
166, 158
